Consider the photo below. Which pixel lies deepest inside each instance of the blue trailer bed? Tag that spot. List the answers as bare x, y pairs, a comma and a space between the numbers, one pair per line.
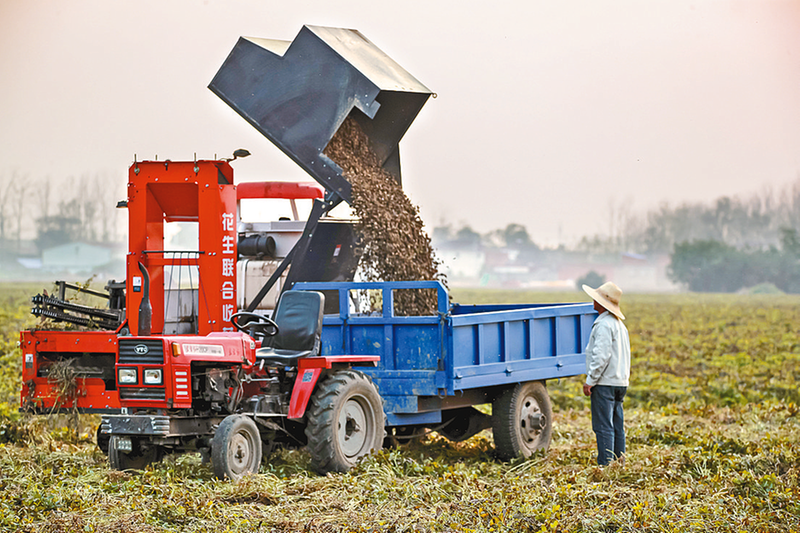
464, 355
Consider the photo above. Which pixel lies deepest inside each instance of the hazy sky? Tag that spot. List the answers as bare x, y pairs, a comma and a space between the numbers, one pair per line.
547, 111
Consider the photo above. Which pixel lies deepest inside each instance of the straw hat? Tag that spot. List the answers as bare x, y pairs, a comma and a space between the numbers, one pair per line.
607, 295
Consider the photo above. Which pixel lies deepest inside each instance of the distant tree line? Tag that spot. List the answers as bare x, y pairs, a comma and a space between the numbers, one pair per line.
52, 211
512, 236
713, 266
722, 246
731, 244
756, 222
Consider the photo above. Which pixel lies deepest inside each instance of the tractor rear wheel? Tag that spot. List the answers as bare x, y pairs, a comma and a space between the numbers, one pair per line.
345, 421
522, 419
236, 448
138, 458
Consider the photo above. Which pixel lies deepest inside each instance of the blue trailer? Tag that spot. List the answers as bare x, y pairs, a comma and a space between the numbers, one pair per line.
434, 369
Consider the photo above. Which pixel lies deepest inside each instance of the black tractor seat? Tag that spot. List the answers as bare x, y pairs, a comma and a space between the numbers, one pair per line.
299, 319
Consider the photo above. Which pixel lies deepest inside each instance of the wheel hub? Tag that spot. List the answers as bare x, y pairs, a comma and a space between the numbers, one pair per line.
532, 421
239, 453
351, 428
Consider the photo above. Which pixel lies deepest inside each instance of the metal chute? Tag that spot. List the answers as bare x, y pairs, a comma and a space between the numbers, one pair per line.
298, 94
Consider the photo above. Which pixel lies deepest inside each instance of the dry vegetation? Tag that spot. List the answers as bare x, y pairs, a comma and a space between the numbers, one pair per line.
713, 446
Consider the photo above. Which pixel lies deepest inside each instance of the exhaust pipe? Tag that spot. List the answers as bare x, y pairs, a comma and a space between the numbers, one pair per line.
145, 309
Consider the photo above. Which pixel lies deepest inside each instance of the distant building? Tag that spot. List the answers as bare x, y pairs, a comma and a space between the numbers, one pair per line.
462, 263
474, 265
77, 258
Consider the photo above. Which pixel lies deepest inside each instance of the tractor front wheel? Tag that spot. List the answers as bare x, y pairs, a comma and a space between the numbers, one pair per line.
236, 448
345, 421
522, 419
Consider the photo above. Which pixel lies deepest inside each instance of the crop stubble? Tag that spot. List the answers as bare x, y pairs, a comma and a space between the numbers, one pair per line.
394, 245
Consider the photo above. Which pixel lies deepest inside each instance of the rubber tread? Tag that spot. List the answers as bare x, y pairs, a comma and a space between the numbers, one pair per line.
331, 395
229, 426
505, 420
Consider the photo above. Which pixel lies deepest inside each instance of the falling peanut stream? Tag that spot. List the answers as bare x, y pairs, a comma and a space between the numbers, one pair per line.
394, 245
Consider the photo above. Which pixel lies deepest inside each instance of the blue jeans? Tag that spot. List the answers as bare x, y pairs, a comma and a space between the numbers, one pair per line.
608, 422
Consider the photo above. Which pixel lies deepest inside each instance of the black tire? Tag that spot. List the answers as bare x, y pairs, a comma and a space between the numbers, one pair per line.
522, 419
345, 421
138, 458
236, 448
103, 440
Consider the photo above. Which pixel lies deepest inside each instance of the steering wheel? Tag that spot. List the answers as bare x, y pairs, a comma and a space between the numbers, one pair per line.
256, 325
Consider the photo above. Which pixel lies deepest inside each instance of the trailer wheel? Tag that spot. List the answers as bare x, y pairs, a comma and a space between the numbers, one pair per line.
137, 459
522, 420
236, 448
345, 421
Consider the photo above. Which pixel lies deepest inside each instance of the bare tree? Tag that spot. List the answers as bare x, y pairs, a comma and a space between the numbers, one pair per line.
17, 202
6, 192
105, 191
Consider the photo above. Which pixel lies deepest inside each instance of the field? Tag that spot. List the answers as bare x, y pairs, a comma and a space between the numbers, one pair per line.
713, 438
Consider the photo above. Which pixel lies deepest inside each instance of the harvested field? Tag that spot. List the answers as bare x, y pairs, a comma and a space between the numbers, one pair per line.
713, 433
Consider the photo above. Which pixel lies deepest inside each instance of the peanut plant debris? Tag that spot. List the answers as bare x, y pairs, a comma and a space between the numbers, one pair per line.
395, 246
64, 377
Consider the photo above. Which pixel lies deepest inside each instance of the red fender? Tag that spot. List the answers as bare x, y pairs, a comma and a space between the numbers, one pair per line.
308, 372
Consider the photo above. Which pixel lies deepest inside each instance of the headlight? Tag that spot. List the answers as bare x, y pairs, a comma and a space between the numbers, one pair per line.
127, 376
152, 376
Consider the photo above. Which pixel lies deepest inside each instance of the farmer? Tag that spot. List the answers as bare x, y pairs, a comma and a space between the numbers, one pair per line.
608, 368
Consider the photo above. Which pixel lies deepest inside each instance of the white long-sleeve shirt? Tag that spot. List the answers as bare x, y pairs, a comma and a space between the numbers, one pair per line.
608, 354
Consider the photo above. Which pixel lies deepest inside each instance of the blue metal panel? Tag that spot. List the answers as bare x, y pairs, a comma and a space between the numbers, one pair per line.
398, 383
530, 374
544, 335
399, 403
332, 340
587, 321
431, 417
517, 348
465, 346
518, 366
367, 339
417, 347
519, 344
568, 340
491, 346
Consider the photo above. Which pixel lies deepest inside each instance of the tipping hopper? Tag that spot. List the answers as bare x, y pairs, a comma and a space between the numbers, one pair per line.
298, 93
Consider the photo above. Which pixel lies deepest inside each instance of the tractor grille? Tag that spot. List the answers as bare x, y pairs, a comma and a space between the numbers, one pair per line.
142, 393
141, 351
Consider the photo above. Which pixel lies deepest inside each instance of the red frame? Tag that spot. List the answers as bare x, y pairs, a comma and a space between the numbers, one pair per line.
288, 190
202, 192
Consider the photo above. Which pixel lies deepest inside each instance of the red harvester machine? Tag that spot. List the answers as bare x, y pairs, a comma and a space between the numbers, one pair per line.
184, 356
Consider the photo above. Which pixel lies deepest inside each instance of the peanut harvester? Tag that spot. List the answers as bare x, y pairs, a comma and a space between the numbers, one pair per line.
186, 355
